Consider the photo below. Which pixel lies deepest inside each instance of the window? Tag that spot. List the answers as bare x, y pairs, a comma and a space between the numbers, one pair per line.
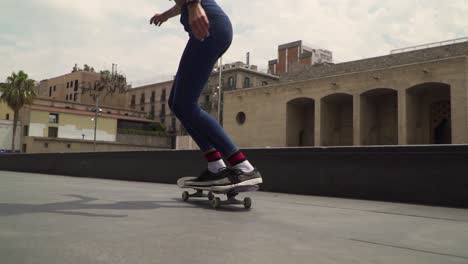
76, 85
66, 97
53, 132
68, 84
132, 102
68, 145
54, 88
264, 83
163, 95
246, 82
26, 131
173, 124
50, 91
142, 108
142, 98
75, 97
240, 118
53, 118
153, 96
46, 145
231, 83
71, 84
152, 111
7, 117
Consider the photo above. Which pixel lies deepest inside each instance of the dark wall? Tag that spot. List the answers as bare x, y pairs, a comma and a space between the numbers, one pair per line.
434, 175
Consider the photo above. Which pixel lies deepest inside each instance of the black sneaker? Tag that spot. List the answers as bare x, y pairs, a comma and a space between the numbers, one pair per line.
206, 178
227, 179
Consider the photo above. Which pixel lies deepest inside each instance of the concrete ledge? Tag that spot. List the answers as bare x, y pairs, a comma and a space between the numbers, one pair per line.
435, 175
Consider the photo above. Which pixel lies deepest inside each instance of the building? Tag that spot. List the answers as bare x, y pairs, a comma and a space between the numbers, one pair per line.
63, 126
153, 98
78, 87
6, 128
410, 97
297, 52
235, 76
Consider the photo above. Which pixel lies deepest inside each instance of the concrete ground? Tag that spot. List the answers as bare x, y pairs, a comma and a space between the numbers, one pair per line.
55, 219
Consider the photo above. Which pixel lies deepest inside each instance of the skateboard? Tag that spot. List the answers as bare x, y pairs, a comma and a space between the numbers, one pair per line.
216, 202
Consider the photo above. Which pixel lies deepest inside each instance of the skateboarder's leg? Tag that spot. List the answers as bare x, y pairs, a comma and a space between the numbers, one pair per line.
195, 68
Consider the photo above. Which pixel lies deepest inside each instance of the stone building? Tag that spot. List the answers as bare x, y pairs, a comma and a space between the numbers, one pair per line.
153, 99
6, 128
297, 52
69, 87
414, 97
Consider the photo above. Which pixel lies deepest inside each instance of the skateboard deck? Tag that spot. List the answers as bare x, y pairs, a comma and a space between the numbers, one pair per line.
216, 201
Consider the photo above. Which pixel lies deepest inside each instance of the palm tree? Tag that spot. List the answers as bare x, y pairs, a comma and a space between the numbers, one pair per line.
16, 92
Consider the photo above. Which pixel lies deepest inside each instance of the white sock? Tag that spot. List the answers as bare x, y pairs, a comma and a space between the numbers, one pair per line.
215, 166
244, 166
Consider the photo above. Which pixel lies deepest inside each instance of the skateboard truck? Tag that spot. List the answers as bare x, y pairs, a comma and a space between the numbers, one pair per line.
216, 202
231, 199
231, 194
198, 194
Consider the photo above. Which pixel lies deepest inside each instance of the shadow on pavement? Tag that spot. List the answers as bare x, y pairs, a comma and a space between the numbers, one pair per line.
7, 209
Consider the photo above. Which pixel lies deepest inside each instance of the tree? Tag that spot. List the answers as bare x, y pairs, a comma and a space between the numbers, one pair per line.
16, 92
108, 84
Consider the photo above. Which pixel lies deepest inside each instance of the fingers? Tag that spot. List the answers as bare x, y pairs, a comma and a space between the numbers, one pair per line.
200, 27
156, 20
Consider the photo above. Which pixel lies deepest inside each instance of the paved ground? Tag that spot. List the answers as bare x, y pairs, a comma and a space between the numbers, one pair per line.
54, 219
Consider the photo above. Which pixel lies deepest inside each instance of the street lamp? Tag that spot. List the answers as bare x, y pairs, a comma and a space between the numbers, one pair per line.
96, 111
220, 87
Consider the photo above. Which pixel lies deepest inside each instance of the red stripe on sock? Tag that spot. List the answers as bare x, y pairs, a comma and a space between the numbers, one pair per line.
212, 156
236, 158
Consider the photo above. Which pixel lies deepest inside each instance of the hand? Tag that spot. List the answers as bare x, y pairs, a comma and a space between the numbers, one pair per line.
198, 21
158, 19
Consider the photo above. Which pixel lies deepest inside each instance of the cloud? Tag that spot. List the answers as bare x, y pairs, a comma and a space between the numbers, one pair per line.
47, 37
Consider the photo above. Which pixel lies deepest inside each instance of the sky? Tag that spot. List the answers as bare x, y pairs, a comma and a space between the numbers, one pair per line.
46, 38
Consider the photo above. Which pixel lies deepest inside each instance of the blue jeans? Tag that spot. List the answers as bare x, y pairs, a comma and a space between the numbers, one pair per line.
195, 67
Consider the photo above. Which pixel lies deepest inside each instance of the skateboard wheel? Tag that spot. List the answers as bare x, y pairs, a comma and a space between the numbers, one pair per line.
211, 196
185, 196
216, 202
247, 203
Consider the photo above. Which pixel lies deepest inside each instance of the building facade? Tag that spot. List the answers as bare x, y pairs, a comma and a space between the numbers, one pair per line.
77, 87
48, 123
415, 97
6, 128
297, 52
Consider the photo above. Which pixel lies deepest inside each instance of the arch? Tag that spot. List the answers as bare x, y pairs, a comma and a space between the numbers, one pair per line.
427, 106
300, 122
336, 120
379, 117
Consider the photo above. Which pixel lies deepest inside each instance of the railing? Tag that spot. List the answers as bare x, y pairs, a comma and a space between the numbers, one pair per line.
430, 45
